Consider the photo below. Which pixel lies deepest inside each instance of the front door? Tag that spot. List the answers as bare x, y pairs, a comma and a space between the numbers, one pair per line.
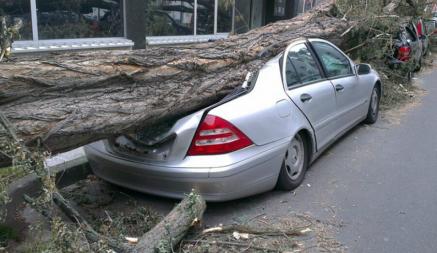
314, 95
350, 95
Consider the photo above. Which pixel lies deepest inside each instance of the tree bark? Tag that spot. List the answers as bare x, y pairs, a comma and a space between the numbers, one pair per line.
415, 6
71, 99
391, 6
170, 231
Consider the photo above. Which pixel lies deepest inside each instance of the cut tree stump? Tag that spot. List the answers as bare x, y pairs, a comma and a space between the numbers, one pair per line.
68, 100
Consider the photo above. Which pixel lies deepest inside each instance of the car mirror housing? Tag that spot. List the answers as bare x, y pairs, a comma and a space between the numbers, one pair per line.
363, 69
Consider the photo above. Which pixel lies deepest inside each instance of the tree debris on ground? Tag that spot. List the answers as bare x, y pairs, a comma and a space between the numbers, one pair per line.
118, 215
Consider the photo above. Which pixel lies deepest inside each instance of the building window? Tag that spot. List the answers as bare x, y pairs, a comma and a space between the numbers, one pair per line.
205, 16
308, 5
224, 16
243, 11
169, 17
188, 17
70, 19
279, 10
18, 9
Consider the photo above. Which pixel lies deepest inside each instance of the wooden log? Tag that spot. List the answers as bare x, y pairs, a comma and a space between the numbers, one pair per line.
71, 99
170, 231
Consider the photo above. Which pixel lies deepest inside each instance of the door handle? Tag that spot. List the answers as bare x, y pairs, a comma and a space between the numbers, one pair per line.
305, 97
339, 87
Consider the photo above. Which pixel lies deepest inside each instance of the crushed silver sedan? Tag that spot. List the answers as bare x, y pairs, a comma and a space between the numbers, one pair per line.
262, 136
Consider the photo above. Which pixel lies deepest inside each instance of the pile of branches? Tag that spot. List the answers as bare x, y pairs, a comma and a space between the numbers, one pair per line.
371, 40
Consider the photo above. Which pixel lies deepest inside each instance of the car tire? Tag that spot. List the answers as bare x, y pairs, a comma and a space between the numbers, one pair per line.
372, 113
419, 66
409, 75
295, 164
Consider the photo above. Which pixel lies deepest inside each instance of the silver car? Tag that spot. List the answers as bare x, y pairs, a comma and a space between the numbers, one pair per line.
263, 135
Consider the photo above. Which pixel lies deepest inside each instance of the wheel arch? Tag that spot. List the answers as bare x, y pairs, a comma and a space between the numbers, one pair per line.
309, 143
378, 84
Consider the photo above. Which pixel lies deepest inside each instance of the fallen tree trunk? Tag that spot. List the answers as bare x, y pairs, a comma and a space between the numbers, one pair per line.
68, 100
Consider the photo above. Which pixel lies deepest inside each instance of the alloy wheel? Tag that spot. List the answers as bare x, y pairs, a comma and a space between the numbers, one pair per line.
295, 158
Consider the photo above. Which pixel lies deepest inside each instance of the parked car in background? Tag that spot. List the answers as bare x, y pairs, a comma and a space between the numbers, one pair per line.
265, 134
407, 49
431, 30
423, 36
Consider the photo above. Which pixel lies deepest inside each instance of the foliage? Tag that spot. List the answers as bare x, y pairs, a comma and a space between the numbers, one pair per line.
132, 224
7, 36
20, 167
65, 239
371, 41
6, 234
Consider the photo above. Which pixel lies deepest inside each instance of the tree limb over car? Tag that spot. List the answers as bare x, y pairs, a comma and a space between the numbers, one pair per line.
68, 100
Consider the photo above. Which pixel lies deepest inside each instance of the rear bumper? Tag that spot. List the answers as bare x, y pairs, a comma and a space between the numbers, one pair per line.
240, 178
394, 63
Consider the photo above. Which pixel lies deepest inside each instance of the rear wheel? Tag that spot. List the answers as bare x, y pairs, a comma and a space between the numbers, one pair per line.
409, 75
294, 165
372, 114
418, 66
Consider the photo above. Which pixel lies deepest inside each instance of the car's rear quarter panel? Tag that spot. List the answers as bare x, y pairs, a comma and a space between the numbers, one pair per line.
266, 114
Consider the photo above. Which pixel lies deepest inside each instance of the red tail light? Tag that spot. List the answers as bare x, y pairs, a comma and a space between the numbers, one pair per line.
217, 136
404, 53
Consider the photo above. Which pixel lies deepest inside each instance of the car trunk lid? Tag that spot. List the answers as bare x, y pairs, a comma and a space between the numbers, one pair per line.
171, 140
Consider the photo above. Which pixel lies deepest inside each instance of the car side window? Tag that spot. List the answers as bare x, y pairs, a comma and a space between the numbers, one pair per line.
290, 74
335, 63
300, 66
410, 34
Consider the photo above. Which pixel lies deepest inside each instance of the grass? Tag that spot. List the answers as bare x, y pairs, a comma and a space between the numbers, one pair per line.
11, 173
6, 234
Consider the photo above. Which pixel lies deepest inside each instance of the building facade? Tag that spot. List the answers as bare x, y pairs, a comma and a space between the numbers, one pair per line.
85, 24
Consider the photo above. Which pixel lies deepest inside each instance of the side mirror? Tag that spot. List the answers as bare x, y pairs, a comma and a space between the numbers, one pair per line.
363, 69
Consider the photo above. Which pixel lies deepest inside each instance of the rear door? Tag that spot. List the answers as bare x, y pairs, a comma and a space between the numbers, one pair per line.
310, 91
351, 97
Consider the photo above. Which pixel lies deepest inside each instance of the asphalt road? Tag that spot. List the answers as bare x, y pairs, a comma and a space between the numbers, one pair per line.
379, 182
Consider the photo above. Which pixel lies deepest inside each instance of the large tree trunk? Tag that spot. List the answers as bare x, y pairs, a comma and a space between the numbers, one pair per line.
68, 100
